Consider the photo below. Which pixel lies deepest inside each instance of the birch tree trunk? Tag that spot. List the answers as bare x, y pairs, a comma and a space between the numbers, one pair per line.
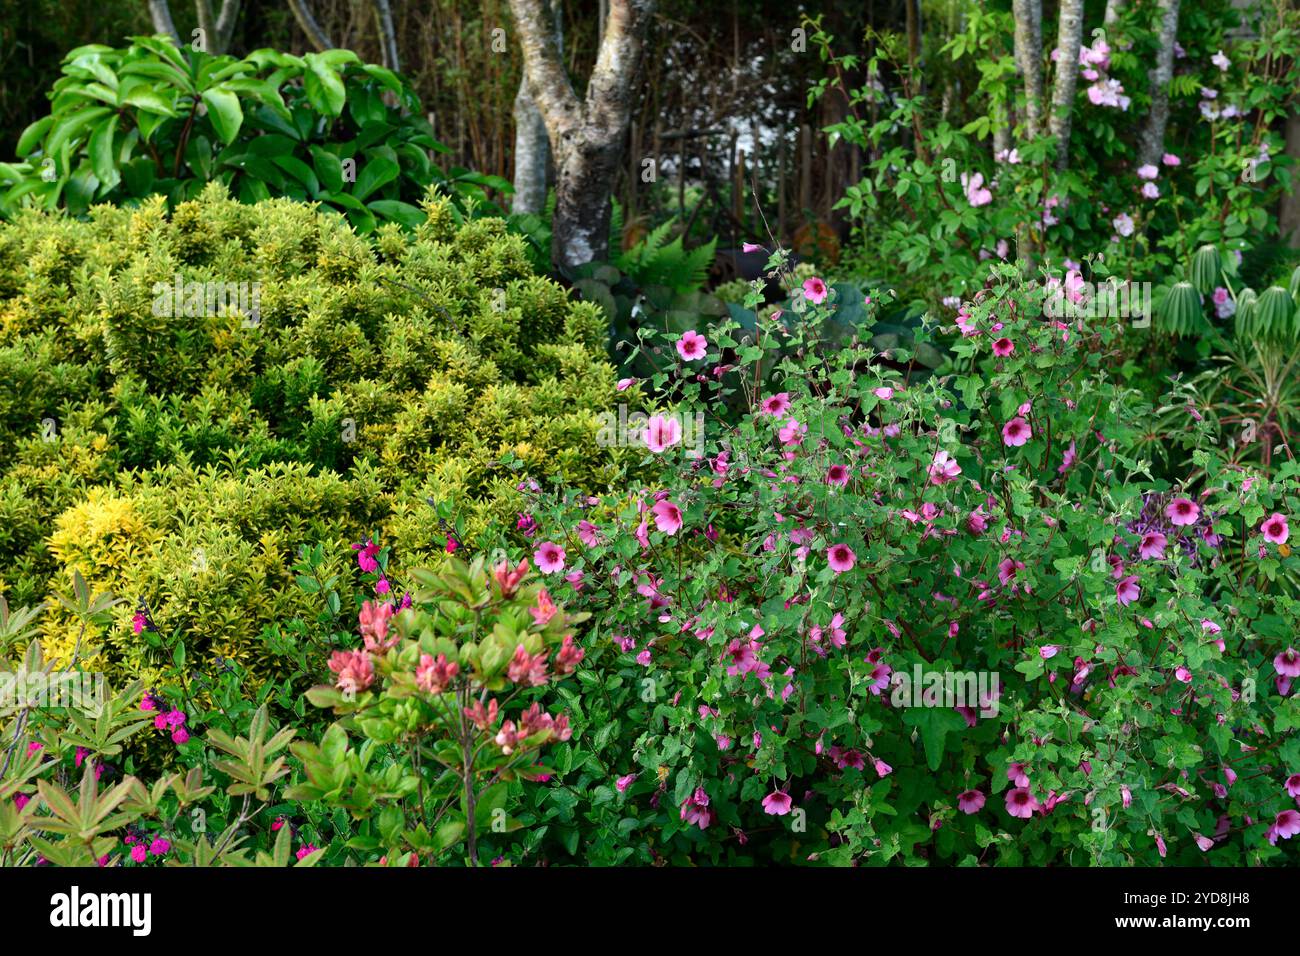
1028, 16
316, 35
387, 35
1113, 9
1151, 140
161, 15
586, 136
1069, 38
532, 151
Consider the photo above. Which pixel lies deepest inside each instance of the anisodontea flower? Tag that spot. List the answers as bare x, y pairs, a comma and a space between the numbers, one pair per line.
1127, 590
976, 192
792, 432
837, 475
1275, 529
775, 405
1003, 347
1021, 803
1016, 432
841, 558
1293, 785
668, 517
1182, 511
1285, 825
1152, 545
588, 533
1123, 224
970, 801
662, 432
549, 557
1287, 663
944, 468
692, 346
623, 782
777, 804
814, 290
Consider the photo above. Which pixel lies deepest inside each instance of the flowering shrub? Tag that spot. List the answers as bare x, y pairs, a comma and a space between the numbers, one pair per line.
450, 677
955, 621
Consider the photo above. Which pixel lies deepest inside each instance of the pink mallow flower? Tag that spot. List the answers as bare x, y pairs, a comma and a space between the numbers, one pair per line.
777, 804
1182, 511
970, 801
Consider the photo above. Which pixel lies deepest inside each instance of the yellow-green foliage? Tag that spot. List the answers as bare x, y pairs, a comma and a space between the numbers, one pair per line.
183, 459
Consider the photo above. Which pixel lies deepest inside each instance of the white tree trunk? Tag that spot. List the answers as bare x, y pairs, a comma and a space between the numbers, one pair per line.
1113, 9
532, 152
1151, 141
161, 15
315, 33
586, 136
387, 35
1029, 56
1068, 40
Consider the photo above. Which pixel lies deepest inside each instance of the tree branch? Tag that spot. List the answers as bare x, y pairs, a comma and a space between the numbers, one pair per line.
161, 15
315, 33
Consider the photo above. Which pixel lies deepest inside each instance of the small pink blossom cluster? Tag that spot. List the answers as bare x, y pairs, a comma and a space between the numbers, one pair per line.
532, 722
172, 721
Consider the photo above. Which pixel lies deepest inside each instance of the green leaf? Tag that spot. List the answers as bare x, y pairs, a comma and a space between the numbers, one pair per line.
225, 113
324, 87
101, 154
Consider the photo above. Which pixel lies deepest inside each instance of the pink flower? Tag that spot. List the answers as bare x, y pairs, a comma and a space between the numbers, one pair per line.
1147, 172
944, 468
180, 735
976, 193
1293, 785
842, 558
692, 346
792, 432
366, 556
1068, 458
433, 675
1285, 825
1127, 590
776, 405
373, 620
814, 290
305, 850
777, 804
1123, 224
884, 393
970, 801
1150, 191
751, 247
354, 670
1003, 347
138, 622
1152, 545
1016, 432
623, 782
1021, 803
837, 475
882, 769
662, 432
1182, 511
549, 557
1275, 529
624, 384
159, 846
1169, 159
139, 853
668, 517
1287, 663
1007, 569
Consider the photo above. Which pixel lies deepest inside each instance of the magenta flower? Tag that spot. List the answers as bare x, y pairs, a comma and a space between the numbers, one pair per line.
662, 432
837, 475
1152, 545
1016, 432
1127, 590
692, 346
366, 556
159, 846
668, 517
1007, 570
884, 393
306, 850
970, 801
841, 558
777, 804
882, 769
776, 405
1021, 803
139, 853
1287, 663
1293, 785
944, 468
1003, 347
1182, 511
549, 557
354, 670
1285, 825
1275, 529
623, 782
814, 290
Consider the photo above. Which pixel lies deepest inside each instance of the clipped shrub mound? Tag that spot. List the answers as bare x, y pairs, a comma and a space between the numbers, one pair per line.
187, 400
